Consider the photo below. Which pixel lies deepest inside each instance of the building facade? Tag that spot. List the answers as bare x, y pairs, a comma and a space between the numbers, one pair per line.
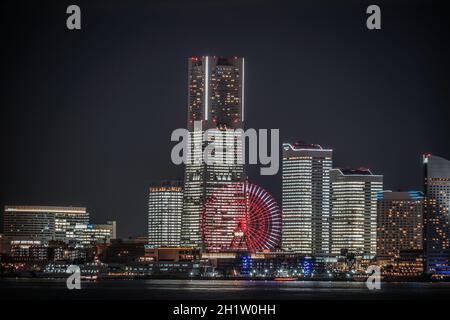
33, 222
66, 221
28, 251
399, 223
165, 204
216, 104
53, 223
436, 213
353, 217
87, 234
306, 198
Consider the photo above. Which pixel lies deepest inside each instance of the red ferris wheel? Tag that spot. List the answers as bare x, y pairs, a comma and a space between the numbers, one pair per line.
240, 217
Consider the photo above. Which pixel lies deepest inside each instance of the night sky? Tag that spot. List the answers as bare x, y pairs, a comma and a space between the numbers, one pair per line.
86, 116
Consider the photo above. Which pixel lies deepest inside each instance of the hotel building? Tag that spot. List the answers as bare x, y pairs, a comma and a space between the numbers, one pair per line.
41, 223
165, 204
399, 223
436, 213
353, 217
306, 198
216, 104
47, 223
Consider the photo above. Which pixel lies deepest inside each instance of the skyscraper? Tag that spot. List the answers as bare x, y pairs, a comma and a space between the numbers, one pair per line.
306, 198
215, 103
399, 223
353, 217
436, 212
165, 202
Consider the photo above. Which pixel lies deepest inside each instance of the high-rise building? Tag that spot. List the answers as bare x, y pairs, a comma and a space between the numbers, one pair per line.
353, 217
399, 223
165, 203
216, 104
306, 198
436, 212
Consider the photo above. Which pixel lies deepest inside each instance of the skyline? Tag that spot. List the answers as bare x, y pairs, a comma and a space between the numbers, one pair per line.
97, 149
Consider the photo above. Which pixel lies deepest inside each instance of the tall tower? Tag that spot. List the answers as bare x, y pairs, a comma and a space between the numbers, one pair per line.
436, 212
306, 198
216, 104
165, 202
353, 217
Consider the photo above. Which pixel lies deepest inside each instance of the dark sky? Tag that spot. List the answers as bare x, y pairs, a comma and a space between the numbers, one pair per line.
86, 116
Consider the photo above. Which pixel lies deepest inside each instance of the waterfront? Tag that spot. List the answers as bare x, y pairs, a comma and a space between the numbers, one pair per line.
218, 290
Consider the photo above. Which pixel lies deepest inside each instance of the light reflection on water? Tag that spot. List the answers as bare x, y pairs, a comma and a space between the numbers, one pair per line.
217, 289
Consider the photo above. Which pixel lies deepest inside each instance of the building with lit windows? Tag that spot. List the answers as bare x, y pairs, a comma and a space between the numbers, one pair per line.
216, 104
47, 223
399, 223
436, 213
38, 252
87, 234
43, 223
171, 254
30, 222
28, 251
66, 219
123, 251
306, 198
353, 216
165, 204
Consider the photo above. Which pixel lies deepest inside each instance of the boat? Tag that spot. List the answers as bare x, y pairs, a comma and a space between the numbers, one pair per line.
285, 279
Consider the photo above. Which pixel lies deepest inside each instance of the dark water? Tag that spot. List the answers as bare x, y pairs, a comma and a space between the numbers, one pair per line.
217, 289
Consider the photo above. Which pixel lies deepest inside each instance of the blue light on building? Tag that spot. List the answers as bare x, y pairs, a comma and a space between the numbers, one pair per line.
245, 262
